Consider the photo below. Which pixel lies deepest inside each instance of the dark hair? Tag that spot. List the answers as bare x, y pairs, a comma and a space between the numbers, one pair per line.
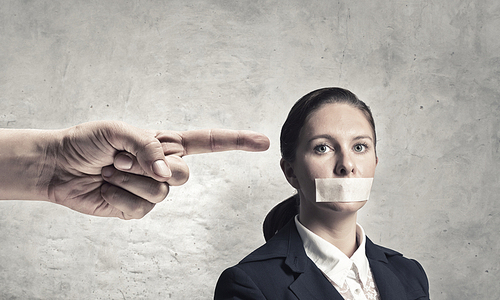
289, 139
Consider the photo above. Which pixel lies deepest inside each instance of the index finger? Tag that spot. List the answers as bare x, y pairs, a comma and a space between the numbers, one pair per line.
216, 140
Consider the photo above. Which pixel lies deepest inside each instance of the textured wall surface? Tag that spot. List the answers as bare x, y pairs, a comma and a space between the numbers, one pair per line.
430, 70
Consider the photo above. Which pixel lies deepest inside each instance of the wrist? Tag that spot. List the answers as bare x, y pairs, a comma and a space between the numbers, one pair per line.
27, 163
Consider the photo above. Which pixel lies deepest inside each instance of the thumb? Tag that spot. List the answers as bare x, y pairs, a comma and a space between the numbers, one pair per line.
143, 145
150, 156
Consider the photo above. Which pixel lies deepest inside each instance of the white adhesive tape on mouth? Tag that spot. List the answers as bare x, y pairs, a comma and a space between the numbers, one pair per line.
343, 189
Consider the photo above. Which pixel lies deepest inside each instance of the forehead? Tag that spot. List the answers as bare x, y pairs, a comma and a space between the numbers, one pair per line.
338, 119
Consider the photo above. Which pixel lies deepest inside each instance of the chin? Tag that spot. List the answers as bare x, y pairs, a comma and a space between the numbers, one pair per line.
348, 207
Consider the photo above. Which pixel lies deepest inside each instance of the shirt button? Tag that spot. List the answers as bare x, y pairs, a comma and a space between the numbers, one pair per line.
357, 291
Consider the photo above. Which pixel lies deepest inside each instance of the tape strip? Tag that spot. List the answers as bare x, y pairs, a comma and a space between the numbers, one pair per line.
343, 189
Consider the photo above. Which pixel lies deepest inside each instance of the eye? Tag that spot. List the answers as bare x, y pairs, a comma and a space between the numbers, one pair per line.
359, 148
322, 149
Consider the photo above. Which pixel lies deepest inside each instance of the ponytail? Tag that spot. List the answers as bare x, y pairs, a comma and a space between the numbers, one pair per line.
280, 215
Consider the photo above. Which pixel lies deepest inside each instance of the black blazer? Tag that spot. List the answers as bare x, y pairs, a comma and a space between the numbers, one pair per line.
280, 269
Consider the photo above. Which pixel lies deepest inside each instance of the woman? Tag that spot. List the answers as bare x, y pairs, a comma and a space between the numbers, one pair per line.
316, 250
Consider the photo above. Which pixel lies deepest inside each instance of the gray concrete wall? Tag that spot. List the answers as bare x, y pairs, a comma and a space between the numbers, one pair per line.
429, 69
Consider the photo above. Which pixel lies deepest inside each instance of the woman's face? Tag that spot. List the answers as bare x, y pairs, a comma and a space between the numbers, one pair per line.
336, 141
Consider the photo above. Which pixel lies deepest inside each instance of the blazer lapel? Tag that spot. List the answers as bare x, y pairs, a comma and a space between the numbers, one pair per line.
313, 285
388, 284
310, 283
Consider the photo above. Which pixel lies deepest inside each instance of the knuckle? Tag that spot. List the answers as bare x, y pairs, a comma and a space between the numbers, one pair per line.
132, 206
150, 145
125, 178
179, 177
110, 193
158, 191
141, 209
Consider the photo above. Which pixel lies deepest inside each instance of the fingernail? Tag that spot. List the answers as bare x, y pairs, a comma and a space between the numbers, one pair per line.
107, 171
160, 168
123, 162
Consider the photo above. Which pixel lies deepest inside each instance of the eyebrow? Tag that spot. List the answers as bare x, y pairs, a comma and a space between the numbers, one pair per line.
329, 137
360, 137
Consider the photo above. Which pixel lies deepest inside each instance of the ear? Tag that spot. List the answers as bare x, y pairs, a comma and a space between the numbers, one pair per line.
287, 169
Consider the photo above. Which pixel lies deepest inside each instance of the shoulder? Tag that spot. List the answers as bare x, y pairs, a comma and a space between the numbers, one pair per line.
264, 273
395, 259
235, 283
260, 275
408, 271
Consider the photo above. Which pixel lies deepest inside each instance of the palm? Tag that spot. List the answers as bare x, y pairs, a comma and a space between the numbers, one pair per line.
78, 182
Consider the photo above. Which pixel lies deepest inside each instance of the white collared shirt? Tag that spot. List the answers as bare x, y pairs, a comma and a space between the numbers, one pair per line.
350, 276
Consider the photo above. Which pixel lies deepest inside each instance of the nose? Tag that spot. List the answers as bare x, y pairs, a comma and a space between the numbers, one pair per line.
344, 166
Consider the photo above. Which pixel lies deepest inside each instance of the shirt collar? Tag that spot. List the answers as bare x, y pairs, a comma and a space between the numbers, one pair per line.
330, 260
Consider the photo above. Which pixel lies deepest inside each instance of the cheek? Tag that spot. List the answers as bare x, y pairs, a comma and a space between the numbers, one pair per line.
367, 168
317, 168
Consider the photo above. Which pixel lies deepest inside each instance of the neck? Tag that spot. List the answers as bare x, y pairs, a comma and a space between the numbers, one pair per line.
336, 227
